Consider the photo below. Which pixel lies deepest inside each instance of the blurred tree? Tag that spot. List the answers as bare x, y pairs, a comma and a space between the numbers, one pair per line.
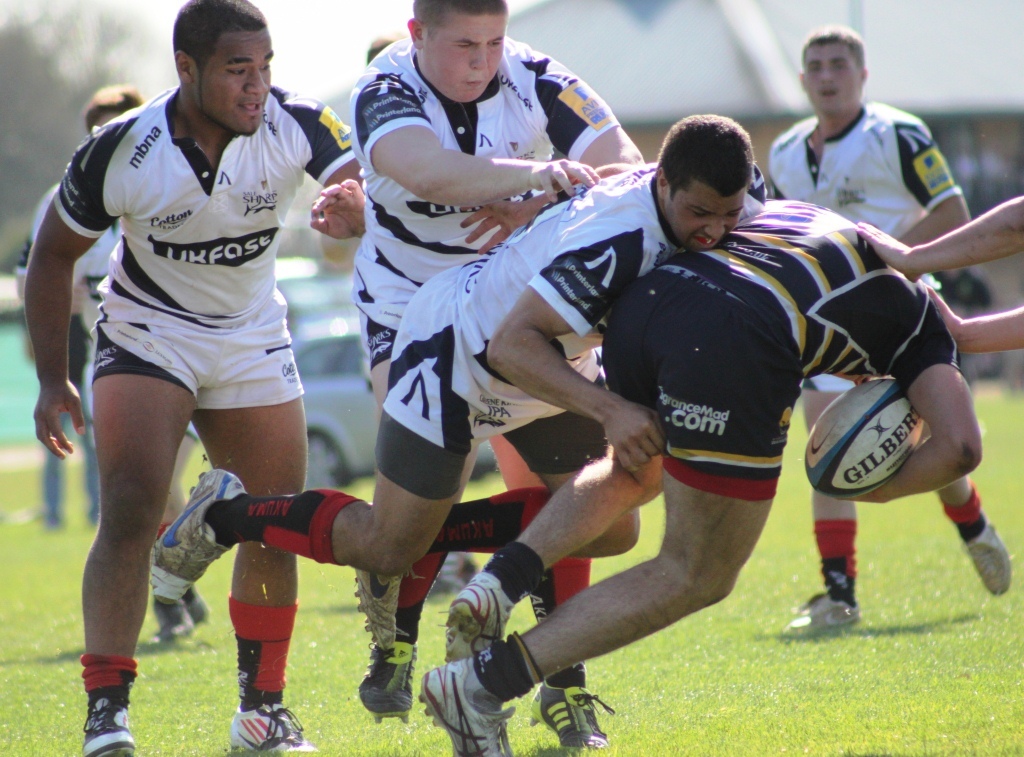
51, 64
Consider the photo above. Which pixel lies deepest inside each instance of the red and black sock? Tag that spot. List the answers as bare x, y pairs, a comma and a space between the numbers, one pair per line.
263, 635
412, 594
837, 545
299, 523
968, 517
108, 677
565, 579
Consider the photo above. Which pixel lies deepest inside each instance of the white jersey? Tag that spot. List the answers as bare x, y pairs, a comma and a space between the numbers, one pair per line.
90, 269
577, 255
884, 169
531, 107
198, 243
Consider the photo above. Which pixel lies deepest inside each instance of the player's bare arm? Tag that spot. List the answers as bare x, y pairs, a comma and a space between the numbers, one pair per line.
522, 352
47, 313
997, 332
949, 214
997, 234
414, 157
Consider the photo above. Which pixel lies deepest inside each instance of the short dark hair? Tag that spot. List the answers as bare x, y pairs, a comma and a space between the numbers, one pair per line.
434, 12
201, 22
713, 149
835, 35
110, 101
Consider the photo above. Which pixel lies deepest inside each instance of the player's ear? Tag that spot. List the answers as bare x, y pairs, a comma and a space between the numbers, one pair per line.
185, 65
417, 31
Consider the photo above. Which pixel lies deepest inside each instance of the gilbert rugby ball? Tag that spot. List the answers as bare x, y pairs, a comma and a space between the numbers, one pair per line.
862, 439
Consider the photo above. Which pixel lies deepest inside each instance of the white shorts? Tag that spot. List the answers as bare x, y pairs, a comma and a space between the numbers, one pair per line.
440, 386
828, 383
248, 365
381, 294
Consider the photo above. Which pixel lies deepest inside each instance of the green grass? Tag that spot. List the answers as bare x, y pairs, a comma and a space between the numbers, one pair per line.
936, 667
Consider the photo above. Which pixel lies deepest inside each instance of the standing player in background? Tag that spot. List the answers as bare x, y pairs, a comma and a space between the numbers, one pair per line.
453, 130
873, 163
192, 328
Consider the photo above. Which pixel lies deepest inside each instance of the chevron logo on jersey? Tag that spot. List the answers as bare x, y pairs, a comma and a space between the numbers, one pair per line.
932, 169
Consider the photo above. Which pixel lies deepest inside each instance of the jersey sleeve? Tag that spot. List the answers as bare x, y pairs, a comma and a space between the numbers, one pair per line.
582, 283
81, 197
576, 115
924, 169
330, 139
385, 103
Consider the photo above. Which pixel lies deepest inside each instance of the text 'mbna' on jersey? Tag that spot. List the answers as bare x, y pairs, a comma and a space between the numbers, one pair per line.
199, 243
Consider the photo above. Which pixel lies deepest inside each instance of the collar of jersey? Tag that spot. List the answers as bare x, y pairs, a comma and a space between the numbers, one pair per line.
849, 127
490, 91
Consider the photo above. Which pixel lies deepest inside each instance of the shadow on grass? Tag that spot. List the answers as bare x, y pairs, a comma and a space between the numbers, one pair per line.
145, 649
870, 631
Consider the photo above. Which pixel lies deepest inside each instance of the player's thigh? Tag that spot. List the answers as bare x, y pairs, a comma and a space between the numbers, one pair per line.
138, 423
710, 534
264, 446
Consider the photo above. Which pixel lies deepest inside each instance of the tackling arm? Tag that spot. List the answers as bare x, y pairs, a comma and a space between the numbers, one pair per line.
521, 350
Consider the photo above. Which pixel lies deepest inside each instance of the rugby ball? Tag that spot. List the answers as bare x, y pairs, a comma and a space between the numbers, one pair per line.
862, 439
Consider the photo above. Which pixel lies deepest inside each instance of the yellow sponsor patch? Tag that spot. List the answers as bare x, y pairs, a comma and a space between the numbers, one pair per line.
342, 134
585, 105
934, 173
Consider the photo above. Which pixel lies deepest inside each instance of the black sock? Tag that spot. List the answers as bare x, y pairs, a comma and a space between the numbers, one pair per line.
249, 653
504, 670
518, 568
969, 531
839, 585
575, 675
407, 620
245, 518
114, 694
543, 600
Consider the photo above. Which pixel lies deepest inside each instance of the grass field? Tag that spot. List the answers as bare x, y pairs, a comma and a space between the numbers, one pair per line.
936, 667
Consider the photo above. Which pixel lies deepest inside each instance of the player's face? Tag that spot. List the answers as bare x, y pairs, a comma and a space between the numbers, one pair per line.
460, 55
833, 81
231, 89
699, 216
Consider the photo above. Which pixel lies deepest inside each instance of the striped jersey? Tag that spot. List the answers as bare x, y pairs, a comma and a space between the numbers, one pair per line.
198, 243
884, 168
845, 311
532, 107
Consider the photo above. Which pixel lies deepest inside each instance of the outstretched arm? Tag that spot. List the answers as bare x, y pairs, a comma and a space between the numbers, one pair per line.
994, 235
997, 332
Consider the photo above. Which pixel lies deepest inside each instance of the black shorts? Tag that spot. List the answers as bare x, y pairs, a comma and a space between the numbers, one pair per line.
722, 379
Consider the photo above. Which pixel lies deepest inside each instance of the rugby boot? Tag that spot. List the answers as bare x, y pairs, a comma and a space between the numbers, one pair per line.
991, 560
476, 617
186, 549
821, 612
472, 716
378, 600
386, 689
268, 728
106, 731
571, 715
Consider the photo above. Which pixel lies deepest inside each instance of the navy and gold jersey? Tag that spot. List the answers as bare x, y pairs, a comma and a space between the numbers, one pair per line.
845, 311
884, 169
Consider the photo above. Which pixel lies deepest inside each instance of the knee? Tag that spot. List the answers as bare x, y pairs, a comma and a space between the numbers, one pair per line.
696, 587
620, 538
393, 561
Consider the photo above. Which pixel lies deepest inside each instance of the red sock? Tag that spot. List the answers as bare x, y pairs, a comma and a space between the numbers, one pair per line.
836, 539
102, 671
264, 635
571, 575
966, 513
310, 537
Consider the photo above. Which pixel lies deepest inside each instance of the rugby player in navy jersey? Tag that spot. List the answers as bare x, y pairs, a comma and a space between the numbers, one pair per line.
727, 332
455, 128
192, 328
446, 395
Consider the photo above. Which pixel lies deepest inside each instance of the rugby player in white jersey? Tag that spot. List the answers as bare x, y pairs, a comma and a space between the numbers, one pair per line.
454, 129
192, 327
446, 396
874, 163
732, 331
